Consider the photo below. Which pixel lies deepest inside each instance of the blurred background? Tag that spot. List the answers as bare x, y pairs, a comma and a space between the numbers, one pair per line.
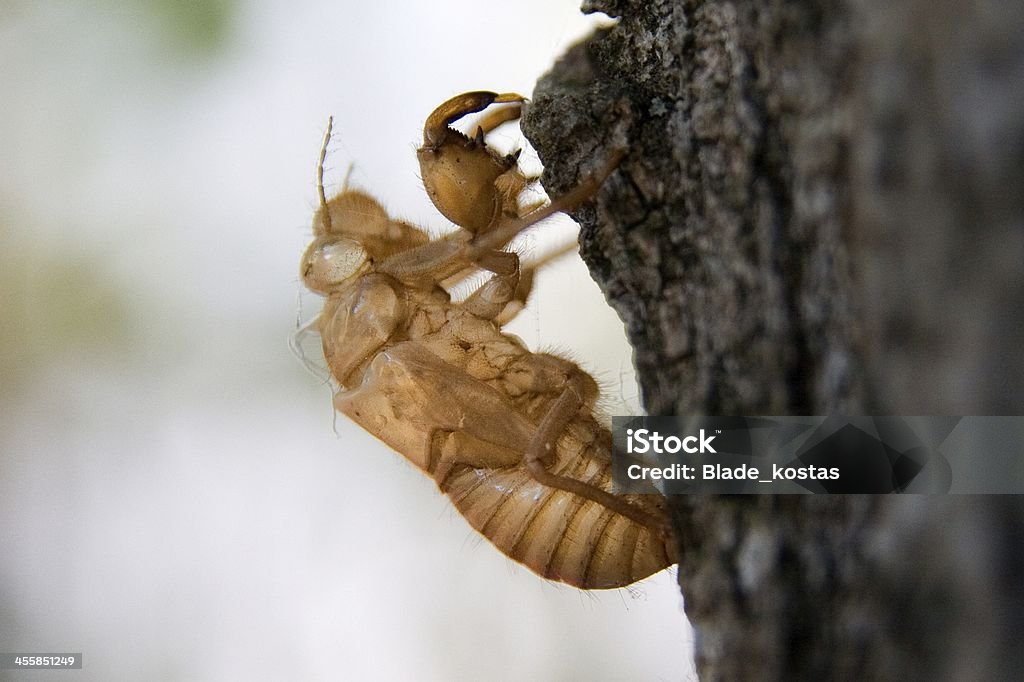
174, 502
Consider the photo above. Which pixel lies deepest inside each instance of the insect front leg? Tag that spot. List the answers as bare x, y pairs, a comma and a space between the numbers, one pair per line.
505, 232
510, 184
436, 130
432, 263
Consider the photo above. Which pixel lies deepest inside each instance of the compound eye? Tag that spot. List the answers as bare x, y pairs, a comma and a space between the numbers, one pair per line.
330, 262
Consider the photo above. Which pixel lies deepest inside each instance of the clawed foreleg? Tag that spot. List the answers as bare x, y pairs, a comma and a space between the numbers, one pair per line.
436, 129
434, 262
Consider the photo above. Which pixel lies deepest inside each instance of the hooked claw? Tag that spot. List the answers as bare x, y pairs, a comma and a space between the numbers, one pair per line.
435, 130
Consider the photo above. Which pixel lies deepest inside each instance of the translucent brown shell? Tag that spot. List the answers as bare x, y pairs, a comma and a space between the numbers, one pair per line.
509, 435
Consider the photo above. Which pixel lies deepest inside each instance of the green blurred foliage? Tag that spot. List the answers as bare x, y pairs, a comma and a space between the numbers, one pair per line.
55, 307
194, 27
66, 304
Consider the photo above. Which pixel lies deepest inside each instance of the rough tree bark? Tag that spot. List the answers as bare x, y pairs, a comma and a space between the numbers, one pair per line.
820, 212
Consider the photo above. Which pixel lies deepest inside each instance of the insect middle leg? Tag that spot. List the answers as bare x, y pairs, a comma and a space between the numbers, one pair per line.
503, 296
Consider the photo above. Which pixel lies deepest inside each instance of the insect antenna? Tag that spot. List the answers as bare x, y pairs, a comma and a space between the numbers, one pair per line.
320, 173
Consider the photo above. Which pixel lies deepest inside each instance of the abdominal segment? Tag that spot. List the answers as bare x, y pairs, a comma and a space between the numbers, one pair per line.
556, 534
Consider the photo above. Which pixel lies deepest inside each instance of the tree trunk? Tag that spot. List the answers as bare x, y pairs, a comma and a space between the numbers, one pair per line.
820, 212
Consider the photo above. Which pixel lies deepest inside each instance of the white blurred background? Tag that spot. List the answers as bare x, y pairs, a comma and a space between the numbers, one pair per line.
174, 502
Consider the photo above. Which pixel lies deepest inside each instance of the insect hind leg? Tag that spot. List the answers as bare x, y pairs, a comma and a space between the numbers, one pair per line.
575, 395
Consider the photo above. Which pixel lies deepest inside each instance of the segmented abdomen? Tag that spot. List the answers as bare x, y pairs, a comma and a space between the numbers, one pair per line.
559, 535
468, 418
